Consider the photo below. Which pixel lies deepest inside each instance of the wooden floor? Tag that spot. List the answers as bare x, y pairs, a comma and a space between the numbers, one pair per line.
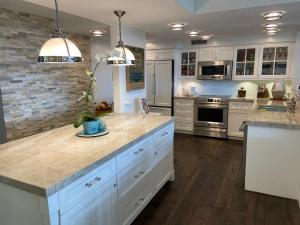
209, 189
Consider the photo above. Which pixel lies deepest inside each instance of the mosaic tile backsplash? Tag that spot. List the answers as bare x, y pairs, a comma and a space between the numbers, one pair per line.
37, 98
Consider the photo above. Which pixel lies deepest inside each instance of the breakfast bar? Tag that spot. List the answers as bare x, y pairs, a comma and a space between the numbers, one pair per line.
273, 153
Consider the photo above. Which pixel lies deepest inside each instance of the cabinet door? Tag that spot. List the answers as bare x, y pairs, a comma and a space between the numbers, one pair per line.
163, 83
150, 82
275, 61
100, 211
245, 62
224, 53
163, 167
207, 54
235, 120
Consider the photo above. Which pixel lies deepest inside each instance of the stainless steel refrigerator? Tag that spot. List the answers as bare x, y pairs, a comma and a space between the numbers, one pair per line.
2, 123
160, 85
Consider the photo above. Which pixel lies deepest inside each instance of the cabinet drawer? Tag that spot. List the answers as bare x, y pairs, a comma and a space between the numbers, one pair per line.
184, 119
100, 208
128, 178
241, 105
86, 186
164, 134
134, 154
184, 103
162, 149
184, 111
184, 126
135, 200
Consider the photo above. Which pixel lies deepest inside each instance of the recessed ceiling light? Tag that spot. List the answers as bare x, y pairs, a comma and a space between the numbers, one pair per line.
271, 32
194, 33
206, 37
177, 26
271, 25
273, 15
97, 33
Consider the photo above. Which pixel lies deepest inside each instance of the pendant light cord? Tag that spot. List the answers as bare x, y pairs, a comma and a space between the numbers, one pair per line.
120, 32
57, 18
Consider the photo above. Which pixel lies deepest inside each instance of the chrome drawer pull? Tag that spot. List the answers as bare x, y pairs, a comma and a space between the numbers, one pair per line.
136, 152
141, 150
141, 172
155, 153
136, 176
142, 199
164, 134
90, 184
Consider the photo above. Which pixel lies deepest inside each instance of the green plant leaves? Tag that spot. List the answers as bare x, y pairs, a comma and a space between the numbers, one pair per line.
84, 116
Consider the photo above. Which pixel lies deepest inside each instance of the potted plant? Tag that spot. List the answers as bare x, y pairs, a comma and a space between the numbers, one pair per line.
92, 124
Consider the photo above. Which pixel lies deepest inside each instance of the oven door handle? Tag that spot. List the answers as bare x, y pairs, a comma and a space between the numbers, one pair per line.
211, 106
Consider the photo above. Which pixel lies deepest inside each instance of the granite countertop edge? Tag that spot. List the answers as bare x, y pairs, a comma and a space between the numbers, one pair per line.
272, 124
46, 192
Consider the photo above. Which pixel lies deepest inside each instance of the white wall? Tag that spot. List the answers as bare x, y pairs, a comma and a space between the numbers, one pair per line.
126, 102
103, 91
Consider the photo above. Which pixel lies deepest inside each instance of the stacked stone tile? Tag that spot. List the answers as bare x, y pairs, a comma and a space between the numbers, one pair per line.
37, 98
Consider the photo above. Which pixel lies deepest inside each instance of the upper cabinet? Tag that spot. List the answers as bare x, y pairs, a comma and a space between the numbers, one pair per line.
275, 61
215, 53
160, 54
188, 64
245, 62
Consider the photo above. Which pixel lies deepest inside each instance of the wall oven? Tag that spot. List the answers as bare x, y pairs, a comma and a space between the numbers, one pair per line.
211, 116
215, 70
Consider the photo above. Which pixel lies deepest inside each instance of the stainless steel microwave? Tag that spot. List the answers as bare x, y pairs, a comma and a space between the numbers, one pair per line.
215, 70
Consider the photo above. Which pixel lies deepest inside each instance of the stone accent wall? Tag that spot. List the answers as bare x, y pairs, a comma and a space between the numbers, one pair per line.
37, 98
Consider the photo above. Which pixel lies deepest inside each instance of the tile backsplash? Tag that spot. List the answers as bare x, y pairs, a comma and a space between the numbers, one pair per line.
211, 87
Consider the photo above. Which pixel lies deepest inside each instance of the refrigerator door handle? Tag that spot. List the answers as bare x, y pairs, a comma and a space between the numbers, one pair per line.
154, 85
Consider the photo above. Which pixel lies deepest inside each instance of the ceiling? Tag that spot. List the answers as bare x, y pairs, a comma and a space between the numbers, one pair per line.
218, 17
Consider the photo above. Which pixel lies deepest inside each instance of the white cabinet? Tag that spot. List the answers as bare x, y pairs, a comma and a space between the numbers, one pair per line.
275, 61
140, 180
245, 62
238, 113
163, 164
150, 73
207, 54
161, 54
215, 53
101, 210
224, 53
188, 64
184, 115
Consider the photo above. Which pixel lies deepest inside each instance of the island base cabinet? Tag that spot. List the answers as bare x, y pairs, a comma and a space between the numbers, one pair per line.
162, 171
135, 200
101, 211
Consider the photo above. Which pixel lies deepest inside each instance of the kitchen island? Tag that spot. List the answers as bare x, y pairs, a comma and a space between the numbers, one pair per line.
56, 177
273, 153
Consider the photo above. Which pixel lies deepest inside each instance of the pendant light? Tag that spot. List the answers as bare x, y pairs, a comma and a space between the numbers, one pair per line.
120, 56
59, 49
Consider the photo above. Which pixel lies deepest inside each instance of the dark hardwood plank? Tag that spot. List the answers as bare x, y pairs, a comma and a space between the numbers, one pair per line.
209, 190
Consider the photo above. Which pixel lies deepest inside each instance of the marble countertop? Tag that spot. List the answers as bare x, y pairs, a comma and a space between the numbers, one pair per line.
45, 163
241, 99
184, 97
274, 119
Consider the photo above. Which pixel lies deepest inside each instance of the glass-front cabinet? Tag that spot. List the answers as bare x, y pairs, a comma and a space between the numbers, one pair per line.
188, 64
275, 61
245, 62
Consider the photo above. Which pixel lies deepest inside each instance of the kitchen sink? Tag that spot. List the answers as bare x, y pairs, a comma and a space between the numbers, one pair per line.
272, 108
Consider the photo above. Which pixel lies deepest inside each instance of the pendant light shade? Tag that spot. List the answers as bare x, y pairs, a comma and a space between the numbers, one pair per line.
59, 49
120, 56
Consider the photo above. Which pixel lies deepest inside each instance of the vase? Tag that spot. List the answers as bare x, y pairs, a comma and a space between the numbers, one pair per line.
94, 126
